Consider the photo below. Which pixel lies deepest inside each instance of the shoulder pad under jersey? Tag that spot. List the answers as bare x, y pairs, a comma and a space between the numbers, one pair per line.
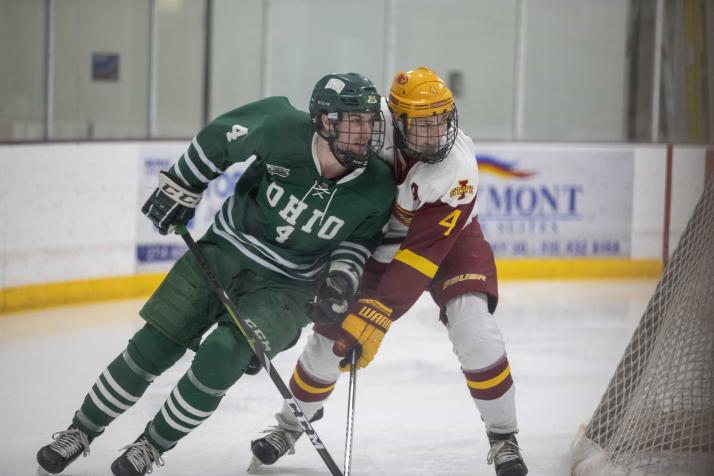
453, 180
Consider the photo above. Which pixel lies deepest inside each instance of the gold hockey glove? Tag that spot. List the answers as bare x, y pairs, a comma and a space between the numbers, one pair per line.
365, 325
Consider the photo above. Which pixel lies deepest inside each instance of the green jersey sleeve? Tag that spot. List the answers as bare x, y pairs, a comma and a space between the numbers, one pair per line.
365, 238
232, 137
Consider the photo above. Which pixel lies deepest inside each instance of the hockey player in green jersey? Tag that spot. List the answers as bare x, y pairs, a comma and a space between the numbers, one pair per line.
304, 217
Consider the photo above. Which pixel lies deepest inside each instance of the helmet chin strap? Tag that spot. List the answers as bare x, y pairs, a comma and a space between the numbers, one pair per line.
401, 138
338, 154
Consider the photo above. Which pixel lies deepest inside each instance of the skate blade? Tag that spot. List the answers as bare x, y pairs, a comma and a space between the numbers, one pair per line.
254, 465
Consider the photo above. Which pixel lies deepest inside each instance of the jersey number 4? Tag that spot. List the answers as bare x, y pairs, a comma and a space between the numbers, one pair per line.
449, 221
236, 132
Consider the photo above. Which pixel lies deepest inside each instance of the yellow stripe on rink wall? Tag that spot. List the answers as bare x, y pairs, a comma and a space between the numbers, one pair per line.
581, 268
74, 292
105, 289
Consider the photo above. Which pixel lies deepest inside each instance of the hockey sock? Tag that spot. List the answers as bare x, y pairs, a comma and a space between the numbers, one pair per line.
491, 382
218, 364
126, 378
189, 405
479, 345
314, 377
308, 391
494, 395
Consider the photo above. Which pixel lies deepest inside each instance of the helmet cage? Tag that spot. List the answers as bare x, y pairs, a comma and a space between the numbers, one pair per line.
425, 139
345, 133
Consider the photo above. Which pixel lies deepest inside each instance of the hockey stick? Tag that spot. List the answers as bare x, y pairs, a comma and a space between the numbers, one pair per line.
253, 336
354, 357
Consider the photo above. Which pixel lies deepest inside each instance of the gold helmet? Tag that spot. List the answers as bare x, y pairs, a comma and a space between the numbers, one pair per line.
424, 115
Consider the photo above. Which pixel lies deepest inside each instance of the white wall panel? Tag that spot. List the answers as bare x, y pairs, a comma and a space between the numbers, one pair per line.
236, 54
575, 70
648, 201
179, 68
68, 211
310, 38
688, 165
476, 39
84, 108
22, 53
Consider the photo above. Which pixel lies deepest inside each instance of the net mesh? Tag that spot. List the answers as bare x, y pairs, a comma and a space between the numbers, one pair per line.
657, 414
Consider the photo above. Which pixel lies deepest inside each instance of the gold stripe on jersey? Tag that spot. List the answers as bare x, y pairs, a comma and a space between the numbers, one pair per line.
421, 264
310, 388
403, 215
490, 383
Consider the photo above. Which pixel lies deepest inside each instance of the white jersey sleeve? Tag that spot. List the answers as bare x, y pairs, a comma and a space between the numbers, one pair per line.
387, 152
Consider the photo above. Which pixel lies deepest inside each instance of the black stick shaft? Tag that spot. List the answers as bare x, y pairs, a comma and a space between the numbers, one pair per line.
248, 329
351, 410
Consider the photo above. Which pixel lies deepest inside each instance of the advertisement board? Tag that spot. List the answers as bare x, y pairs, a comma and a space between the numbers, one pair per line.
533, 201
541, 201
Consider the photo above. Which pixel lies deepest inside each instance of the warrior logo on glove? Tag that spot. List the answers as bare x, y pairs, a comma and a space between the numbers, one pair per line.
365, 325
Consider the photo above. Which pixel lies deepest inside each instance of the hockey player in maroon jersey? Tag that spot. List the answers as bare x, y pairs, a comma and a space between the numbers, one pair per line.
434, 242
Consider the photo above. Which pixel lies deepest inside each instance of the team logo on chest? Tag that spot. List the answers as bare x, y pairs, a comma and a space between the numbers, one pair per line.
415, 193
462, 190
295, 213
321, 190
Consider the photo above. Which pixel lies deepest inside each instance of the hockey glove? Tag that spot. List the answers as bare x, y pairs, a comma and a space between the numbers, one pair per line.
334, 294
365, 325
171, 204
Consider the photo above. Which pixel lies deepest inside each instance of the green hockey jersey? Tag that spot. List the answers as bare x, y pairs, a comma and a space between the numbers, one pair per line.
284, 216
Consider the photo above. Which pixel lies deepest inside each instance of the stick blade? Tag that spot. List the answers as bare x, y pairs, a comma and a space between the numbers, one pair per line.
254, 465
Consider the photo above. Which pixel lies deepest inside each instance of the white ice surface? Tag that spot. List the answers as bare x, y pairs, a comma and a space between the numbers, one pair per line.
414, 415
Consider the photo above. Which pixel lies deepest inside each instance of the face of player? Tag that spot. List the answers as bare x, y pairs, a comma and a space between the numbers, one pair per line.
427, 135
354, 132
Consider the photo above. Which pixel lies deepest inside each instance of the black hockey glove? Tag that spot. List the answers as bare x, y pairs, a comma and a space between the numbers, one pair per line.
171, 204
334, 295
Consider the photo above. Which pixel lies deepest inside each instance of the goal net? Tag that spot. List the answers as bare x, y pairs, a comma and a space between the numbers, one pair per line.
656, 417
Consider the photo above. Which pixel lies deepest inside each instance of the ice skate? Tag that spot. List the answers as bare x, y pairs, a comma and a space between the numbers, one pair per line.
280, 439
66, 448
506, 455
138, 459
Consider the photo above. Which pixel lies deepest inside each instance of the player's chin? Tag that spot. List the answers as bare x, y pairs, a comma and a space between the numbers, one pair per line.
359, 150
428, 150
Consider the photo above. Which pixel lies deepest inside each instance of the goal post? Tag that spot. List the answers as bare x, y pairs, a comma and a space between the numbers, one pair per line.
656, 417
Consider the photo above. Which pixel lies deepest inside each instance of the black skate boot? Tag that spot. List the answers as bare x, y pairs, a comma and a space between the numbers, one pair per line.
67, 447
280, 439
506, 454
138, 459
